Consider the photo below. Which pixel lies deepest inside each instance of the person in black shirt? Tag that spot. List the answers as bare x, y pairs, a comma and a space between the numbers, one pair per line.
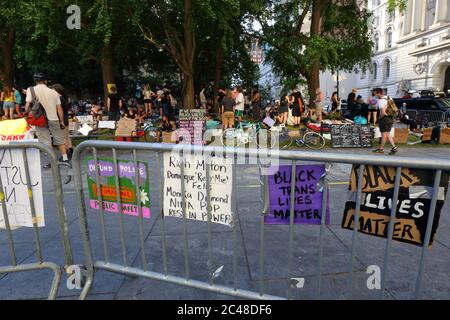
297, 106
114, 104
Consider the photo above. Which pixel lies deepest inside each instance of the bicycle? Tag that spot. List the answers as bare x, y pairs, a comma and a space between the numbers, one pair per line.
247, 132
307, 138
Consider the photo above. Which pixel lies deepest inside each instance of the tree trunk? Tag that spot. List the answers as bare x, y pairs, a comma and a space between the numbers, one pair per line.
188, 92
217, 75
314, 73
107, 62
6, 47
188, 58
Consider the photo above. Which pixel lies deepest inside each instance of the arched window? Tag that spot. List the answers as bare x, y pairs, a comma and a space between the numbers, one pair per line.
389, 38
374, 71
386, 69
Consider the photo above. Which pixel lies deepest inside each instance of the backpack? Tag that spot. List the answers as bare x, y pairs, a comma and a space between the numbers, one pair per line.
37, 116
391, 109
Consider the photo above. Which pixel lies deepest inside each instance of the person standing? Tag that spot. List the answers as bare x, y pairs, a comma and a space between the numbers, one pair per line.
373, 109
335, 102
65, 106
9, 103
283, 111
18, 97
240, 103
320, 98
256, 104
148, 95
203, 100
227, 108
114, 105
54, 114
386, 122
297, 105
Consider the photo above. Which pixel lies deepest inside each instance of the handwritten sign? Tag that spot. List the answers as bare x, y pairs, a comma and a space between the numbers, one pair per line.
192, 126
195, 192
130, 199
308, 196
351, 136
15, 188
416, 191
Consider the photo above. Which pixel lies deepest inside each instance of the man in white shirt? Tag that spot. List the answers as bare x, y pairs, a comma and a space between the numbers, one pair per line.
386, 123
240, 103
50, 101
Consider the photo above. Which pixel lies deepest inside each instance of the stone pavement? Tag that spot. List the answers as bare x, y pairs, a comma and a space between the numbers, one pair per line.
403, 264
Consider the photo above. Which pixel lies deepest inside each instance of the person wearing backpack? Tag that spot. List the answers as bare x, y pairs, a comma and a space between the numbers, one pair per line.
388, 112
46, 114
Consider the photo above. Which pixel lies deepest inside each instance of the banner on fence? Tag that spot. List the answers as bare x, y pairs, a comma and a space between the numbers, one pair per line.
195, 192
130, 198
15, 188
413, 208
308, 196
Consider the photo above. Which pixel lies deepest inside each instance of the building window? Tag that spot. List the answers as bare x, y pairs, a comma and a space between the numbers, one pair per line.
387, 69
374, 71
376, 43
389, 39
430, 14
390, 16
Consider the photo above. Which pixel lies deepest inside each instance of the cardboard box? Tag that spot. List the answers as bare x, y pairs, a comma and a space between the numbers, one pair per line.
445, 136
401, 135
169, 137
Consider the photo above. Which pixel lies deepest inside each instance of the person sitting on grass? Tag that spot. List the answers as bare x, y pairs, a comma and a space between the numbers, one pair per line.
141, 115
165, 126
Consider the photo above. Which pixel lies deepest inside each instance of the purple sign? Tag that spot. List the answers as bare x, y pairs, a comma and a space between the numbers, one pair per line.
308, 196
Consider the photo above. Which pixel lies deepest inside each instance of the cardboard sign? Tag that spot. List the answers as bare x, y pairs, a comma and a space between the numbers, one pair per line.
308, 196
221, 186
15, 188
413, 208
192, 126
127, 184
351, 136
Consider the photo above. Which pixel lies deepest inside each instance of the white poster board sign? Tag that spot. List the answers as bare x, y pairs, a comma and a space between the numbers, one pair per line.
221, 186
15, 188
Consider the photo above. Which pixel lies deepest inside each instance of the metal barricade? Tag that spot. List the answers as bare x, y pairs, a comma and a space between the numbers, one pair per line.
294, 157
41, 263
437, 117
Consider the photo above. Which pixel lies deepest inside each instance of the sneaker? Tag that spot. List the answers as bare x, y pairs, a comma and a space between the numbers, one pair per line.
378, 151
394, 150
47, 166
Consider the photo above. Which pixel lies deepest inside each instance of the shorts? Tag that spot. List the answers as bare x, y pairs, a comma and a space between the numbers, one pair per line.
147, 101
239, 113
228, 119
372, 110
386, 124
296, 111
54, 131
9, 105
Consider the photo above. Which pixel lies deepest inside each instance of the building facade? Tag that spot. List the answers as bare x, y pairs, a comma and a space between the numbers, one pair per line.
411, 48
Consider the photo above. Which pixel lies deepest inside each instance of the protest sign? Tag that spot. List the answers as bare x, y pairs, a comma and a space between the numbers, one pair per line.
413, 208
15, 188
192, 126
308, 196
220, 175
14, 130
127, 182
